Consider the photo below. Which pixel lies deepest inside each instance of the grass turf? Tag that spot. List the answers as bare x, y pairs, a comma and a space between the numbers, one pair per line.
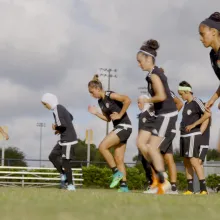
93, 204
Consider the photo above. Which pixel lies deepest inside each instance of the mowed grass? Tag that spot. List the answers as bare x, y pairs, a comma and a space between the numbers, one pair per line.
90, 204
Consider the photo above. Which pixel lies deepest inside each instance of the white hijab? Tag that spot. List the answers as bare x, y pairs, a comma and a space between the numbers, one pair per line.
147, 106
50, 99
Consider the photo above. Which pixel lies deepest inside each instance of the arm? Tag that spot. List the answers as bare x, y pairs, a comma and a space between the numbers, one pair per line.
103, 116
205, 116
121, 98
4, 133
178, 103
93, 110
159, 91
60, 125
213, 99
204, 125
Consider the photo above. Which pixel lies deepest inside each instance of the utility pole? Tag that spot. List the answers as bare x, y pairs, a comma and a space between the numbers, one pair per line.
107, 73
41, 125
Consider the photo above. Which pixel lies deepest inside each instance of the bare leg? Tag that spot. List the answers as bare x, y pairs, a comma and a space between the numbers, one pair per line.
119, 158
168, 158
109, 141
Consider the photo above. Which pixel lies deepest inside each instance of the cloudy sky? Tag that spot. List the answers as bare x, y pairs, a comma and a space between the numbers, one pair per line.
57, 45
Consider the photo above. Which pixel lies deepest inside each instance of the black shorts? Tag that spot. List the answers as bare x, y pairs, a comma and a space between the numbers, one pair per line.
203, 150
166, 147
164, 124
190, 145
123, 131
65, 150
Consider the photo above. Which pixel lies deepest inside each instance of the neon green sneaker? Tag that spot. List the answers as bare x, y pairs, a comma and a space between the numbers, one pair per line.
116, 179
123, 189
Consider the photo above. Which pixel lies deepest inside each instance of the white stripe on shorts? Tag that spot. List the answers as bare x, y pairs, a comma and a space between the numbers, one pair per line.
68, 147
164, 126
171, 114
125, 125
161, 142
191, 146
203, 147
118, 130
191, 134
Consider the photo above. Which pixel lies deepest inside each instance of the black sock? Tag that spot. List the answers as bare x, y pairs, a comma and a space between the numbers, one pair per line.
153, 167
190, 185
123, 183
202, 185
68, 171
173, 186
114, 170
160, 177
147, 169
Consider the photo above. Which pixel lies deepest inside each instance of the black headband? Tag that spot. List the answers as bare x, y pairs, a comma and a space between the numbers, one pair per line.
212, 24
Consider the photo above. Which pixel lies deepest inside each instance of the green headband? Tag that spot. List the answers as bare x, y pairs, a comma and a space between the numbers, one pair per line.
184, 88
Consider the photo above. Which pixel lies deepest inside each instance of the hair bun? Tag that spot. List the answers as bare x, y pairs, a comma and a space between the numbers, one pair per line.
152, 44
215, 16
96, 78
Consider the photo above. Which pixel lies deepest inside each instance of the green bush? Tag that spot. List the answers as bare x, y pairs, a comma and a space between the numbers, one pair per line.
101, 178
213, 181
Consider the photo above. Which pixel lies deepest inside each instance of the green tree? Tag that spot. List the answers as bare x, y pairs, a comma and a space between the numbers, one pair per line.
14, 153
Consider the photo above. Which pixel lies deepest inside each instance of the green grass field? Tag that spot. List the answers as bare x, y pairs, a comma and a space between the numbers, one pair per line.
89, 204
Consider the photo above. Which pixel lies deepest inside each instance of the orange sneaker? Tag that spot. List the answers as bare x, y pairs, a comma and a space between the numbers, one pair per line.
163, 187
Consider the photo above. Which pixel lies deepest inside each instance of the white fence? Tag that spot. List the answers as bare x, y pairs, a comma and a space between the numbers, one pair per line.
35, 176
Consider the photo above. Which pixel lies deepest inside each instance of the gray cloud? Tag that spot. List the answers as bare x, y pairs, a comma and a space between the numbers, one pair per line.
57, 46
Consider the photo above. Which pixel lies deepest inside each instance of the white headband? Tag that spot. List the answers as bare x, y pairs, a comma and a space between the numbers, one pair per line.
147, 53
185, 88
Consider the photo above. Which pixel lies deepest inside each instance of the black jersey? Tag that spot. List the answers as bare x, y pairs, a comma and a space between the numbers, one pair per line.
145, 117
192, 112
63, 122
168, 105
215, 61
108, 106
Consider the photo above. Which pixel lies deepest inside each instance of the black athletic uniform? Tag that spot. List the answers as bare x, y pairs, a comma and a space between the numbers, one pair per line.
190, 141
166, 147
215, 61
205, 142
166, 112
122, 127
64, 150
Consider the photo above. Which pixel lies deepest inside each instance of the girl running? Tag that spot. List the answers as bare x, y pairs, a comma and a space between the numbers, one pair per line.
113, 107
151, 136
166, 149
63, 151
194, 114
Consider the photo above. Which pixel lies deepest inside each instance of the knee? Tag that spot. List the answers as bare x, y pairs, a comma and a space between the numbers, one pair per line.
141, 146
51, 157
101, 147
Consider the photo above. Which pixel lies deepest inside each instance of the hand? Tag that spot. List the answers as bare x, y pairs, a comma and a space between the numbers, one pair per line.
6, 136
209, 104
92, 109
53, 126
115, 116
56, 132
190, 127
